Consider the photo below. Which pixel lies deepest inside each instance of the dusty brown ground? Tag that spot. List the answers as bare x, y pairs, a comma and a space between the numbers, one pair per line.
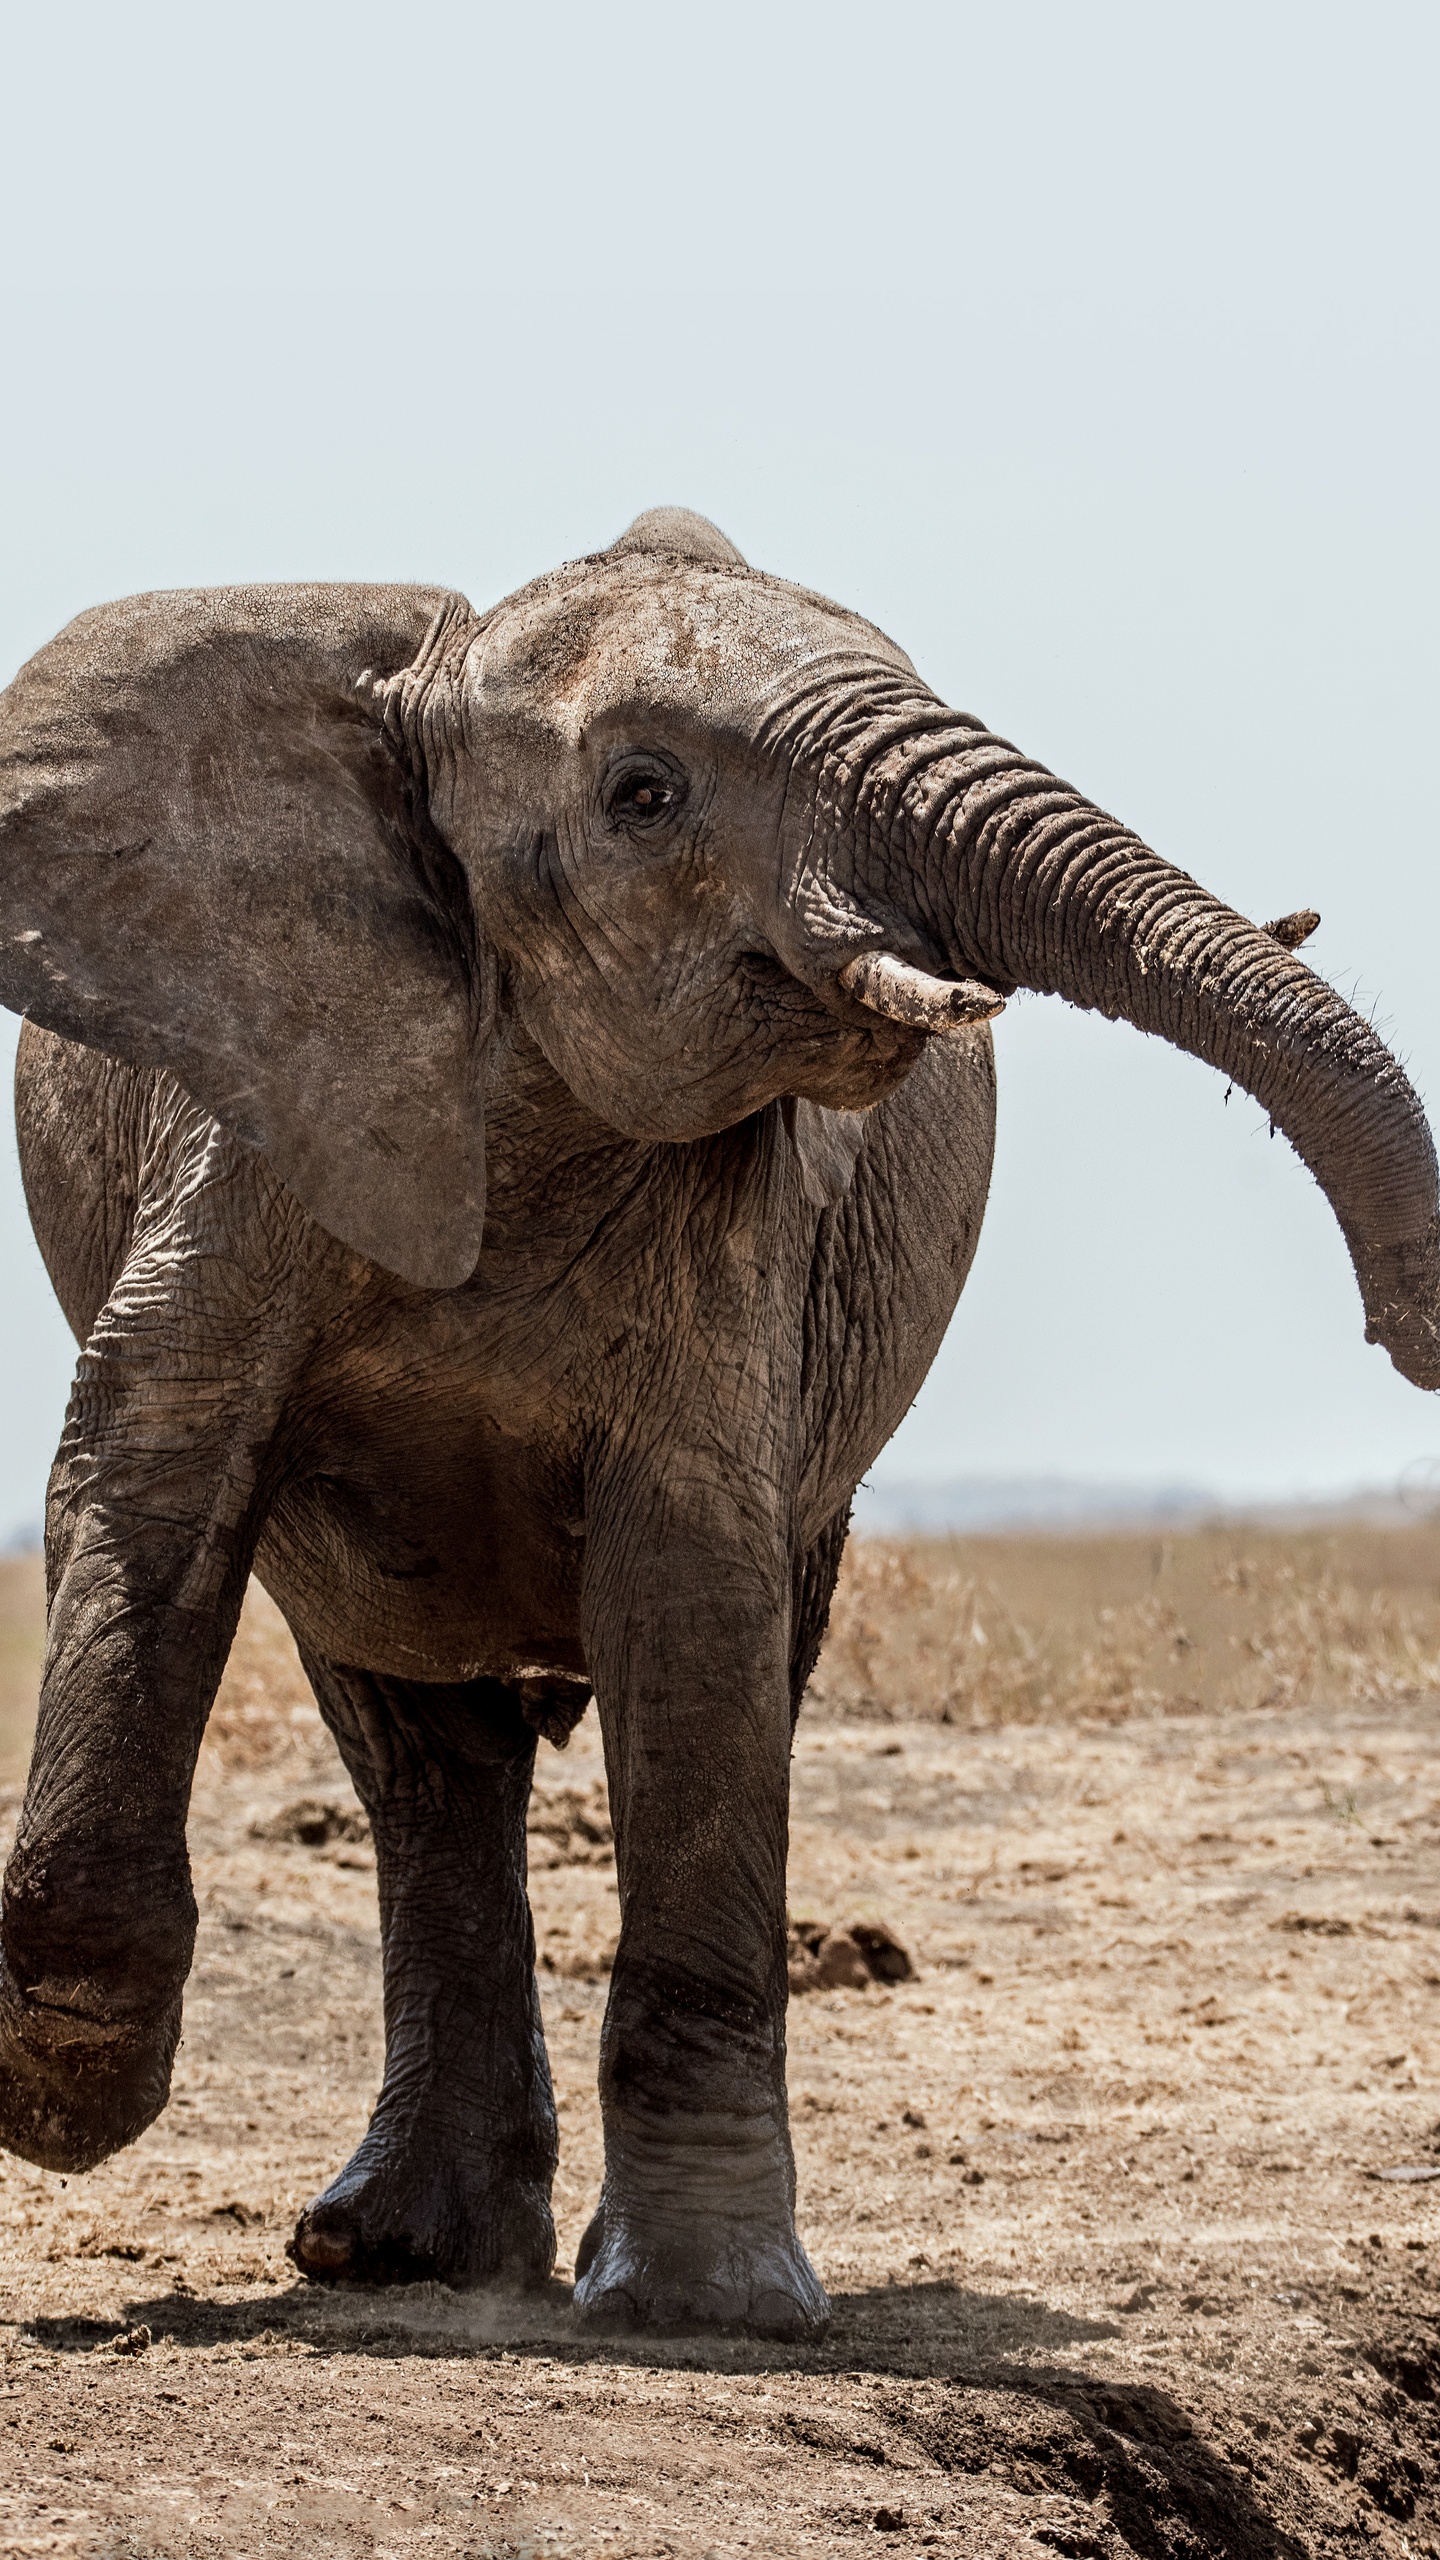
1093, 2195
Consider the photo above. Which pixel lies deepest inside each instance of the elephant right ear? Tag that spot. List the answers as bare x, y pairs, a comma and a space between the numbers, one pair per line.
213, 859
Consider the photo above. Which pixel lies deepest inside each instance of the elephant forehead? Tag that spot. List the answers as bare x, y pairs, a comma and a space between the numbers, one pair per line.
718, 643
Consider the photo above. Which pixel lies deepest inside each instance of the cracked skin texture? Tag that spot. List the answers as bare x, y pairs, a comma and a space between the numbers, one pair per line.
488, 1215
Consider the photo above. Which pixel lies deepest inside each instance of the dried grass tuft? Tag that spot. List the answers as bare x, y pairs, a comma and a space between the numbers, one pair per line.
987, 1631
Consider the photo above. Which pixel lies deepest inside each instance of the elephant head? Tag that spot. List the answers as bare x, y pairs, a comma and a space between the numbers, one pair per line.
707, 836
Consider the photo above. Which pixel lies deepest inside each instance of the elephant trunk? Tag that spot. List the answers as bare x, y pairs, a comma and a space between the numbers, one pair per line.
960, 851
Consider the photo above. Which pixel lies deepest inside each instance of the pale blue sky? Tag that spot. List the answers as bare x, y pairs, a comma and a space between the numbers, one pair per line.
1092, 351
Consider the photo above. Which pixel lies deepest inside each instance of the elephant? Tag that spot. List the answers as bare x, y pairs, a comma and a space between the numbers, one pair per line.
506, 1102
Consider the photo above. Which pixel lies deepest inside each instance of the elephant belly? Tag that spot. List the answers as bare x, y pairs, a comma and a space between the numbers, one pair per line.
431, 1552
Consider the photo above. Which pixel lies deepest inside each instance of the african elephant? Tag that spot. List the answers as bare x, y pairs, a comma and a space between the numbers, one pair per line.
507, 1107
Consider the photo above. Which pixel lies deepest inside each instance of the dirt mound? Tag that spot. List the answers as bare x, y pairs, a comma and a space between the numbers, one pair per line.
312, 1822
823, 1956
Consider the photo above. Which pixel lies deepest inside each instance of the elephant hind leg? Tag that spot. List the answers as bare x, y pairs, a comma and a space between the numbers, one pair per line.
452, 2179
816, 1572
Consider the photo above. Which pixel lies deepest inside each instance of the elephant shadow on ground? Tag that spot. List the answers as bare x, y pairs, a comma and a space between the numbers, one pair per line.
911, 2332
913, 2380
974, 2383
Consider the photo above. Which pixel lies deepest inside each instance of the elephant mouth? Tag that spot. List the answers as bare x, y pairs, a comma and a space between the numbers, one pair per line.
812, 1011
874, 994
826, 1045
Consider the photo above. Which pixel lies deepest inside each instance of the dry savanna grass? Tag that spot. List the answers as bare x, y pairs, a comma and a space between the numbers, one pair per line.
973, 1631
1020, 1630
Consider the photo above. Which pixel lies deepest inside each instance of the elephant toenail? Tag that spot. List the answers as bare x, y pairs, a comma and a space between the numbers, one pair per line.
325, 2250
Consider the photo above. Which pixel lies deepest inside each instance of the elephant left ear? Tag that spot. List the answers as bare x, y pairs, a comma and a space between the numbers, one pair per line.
212, 859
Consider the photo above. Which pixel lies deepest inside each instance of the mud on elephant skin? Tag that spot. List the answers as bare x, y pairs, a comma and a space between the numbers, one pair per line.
507, 1106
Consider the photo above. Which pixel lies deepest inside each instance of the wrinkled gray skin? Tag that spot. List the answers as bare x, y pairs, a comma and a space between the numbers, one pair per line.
346, 919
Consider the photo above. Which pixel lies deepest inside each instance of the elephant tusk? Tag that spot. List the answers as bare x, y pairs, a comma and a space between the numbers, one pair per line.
913, 996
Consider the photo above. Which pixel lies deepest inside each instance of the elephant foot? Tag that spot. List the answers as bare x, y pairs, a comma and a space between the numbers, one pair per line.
760, 2282
410, 2207
73, 2088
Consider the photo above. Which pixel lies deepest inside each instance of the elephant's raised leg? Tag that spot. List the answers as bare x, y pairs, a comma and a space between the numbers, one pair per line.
154, 1504
452, 2180
689, 1644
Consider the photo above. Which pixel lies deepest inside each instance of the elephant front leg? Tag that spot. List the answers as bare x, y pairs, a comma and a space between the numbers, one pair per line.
153, 1509
689, 1649
99, 1917
452, 2179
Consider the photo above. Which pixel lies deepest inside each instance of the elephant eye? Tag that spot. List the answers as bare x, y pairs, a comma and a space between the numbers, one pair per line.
642, 793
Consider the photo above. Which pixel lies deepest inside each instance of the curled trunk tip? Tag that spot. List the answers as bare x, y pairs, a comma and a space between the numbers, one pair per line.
1291, 931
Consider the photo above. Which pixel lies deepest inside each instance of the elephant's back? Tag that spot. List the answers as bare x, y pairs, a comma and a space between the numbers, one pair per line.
76, 1119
